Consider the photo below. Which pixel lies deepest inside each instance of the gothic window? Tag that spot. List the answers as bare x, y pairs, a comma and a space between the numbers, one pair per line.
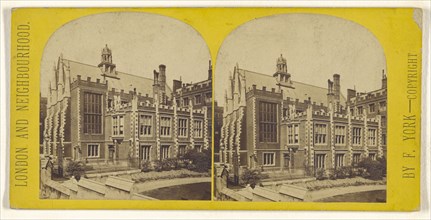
121, 125
197, 128
182, 150
293, 134
114, 125
182, 127
382, 105
268, 159
145, 152
267, 122
198, 99
185, 101
340, 134
372, 108
146, 125
92, 113
372, 137
356, 159
165, 126
320, 132
165, 152
339, 160
356, 136
110, 103
319, 161
198, 148
92, 150
360, 110
372, 156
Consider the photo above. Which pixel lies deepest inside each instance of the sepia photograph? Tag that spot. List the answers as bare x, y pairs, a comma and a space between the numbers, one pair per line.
300, 113
126, 110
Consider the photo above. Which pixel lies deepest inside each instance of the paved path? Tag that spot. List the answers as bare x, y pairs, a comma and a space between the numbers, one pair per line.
150, 185
325, 193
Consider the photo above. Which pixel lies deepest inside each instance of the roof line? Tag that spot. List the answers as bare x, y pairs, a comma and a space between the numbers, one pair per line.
97, 67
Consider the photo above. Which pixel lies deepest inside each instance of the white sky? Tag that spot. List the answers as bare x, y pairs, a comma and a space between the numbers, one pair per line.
315, 46
139, 43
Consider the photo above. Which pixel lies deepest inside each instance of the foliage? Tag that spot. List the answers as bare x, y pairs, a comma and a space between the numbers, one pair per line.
170, 164
320, 173
146, 166
76, 169
343, 172
172, 174
331, 174
191, 166
200, 160
374, 169
157, 165
382, 161
251, 176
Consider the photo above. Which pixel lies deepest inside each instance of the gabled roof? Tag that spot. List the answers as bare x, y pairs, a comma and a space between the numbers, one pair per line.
126, 81
301, 90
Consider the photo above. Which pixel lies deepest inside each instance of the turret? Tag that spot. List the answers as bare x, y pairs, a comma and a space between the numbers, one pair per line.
210, 70
384, 80
281, 75
106, 65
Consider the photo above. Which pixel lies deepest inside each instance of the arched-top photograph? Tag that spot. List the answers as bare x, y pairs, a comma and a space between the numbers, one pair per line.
126, 102
301, 102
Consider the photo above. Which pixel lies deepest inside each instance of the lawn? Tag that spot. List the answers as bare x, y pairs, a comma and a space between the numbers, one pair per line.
171, 174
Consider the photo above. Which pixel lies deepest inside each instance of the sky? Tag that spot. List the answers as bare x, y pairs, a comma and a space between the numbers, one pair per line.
315, 47
139, 43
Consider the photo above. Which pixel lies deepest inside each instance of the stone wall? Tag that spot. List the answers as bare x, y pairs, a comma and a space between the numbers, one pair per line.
114, 188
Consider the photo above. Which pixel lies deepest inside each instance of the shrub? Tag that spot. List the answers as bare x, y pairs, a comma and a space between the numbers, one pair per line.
201, 160
191, 166
320, 173
331, 174
250, 176
75, 168
382, 161
374, 168
146, 166
157, 165
169, 164
339, 173
182, 164
348, 172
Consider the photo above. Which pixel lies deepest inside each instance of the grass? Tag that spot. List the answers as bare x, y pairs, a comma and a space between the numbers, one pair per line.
171, 174
327, 183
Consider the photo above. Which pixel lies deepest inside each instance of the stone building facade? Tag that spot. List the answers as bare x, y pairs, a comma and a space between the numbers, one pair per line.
103, 116
196, 95
275, 123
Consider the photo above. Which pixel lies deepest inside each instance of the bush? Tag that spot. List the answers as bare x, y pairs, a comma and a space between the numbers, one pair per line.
157, 165
182, 164
170, 164
373, 168
320, 173
339, 173
331, 174
250, 176
348, 172
146, 166
76, 169
191, 166
382, 161
201, 160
